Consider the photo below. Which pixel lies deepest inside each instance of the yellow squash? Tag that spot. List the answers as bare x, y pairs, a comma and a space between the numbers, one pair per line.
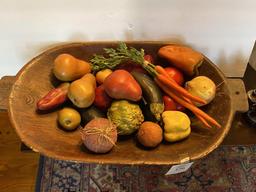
82, 91
176, 125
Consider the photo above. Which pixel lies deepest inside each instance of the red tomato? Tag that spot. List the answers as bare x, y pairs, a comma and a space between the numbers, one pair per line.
102, 100
171, 105
175, 74
149, 58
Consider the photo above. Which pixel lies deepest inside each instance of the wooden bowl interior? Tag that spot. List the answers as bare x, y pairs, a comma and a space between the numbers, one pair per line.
41, 132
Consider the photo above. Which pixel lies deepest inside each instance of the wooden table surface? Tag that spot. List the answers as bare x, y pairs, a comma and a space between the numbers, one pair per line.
241, 133
18, 169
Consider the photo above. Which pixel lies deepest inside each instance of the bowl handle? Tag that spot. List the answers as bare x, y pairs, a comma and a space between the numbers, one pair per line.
238, 95
6, 83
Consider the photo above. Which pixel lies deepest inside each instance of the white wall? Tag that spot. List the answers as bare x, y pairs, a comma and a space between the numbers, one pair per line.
224, 30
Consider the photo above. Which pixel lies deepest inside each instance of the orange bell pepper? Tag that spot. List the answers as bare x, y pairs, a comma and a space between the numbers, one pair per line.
184, 58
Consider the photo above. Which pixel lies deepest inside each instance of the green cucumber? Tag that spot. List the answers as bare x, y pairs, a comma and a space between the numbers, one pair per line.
151, 93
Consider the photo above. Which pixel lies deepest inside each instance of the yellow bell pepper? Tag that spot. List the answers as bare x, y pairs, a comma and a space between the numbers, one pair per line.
176, 125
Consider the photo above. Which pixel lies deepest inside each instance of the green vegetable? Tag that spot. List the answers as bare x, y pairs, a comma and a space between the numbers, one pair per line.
126, 116
92, 112
118, 55
148, 116
151, 93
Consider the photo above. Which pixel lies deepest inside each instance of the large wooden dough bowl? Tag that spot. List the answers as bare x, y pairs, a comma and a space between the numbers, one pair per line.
41, 133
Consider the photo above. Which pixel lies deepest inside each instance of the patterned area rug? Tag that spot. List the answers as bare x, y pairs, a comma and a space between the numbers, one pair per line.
229, 169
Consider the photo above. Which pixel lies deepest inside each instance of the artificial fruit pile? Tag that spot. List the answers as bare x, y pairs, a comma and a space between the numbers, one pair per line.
125, 93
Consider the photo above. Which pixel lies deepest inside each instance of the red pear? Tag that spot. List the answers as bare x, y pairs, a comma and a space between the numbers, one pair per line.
121, 85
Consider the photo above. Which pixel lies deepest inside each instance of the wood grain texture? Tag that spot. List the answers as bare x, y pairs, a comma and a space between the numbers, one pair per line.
40, 131
17, 169
240, 132
6, 83
239, 95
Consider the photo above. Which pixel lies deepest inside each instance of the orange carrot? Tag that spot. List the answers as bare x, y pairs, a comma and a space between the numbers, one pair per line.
162, 71
189, 106
166, 81
197, 115
159, 69
203, 121
186, 99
